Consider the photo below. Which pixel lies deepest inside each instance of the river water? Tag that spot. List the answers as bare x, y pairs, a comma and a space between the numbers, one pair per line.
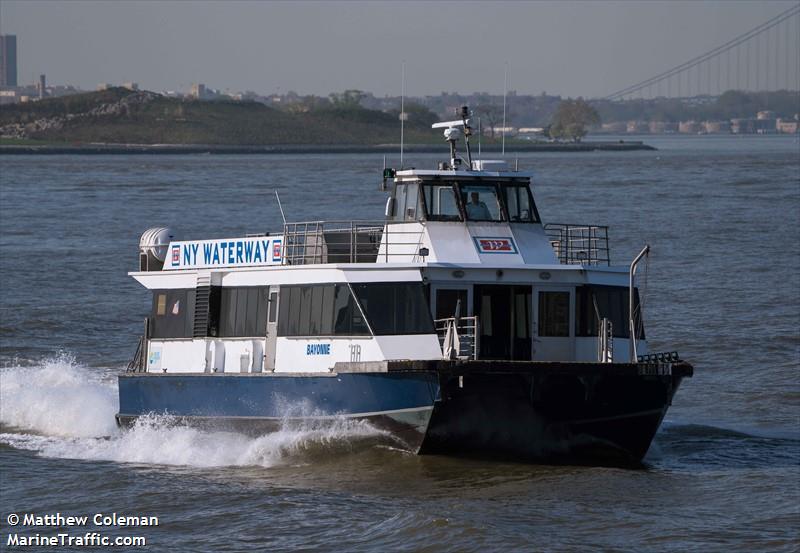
723, 288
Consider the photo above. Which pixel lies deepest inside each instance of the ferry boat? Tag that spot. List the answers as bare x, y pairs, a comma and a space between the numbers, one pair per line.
461, 323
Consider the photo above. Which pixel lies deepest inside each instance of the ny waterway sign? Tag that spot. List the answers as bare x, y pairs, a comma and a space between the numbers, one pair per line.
232, 252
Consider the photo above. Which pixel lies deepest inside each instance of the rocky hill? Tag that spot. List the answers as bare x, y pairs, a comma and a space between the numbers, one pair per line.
121, 116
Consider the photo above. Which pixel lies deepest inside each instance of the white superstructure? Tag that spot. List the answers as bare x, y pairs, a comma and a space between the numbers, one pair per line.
461, 266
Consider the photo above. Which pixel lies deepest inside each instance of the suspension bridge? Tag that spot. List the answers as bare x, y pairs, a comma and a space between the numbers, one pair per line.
767, 57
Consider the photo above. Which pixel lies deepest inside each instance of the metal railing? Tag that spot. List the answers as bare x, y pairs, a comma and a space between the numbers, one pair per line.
313, 242
137, 364
605, 342
661, 357
463, 334
579, 244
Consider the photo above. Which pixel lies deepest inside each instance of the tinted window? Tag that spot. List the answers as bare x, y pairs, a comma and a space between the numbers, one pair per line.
242, 312
326, 312
446, 301
553, 313
273, 306
395, 308
172, 314
304, 311
412, 201
593, 303
440, 202
319, 310
480, 202
519, 204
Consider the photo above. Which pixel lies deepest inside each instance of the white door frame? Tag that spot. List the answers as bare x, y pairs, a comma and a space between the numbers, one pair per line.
553, 348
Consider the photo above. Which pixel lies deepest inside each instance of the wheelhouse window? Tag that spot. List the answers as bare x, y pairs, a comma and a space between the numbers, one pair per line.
480, 202
440, 202
395, 307
519, 204
406, 202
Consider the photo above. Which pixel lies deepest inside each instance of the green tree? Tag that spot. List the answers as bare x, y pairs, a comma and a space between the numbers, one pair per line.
489, 114
572, 119
349, 99
417, 115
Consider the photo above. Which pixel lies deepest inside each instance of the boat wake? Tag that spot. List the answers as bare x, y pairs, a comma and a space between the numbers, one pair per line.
63, 410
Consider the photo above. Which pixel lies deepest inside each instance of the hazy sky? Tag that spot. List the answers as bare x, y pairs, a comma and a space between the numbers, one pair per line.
568, 48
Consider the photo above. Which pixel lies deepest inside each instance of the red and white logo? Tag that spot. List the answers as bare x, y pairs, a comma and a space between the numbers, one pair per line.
176, 255
496, 245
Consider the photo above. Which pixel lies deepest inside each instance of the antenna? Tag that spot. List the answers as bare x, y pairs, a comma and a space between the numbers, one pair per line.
402, 109
480, 132
505, 91
280, 207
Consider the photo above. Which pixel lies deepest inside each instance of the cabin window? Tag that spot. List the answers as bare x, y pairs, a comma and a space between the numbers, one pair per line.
554, 314
519, 204
273, 307
440, 201
480, 202
595, 302
395, 307
319, 310
172, 314
243, 312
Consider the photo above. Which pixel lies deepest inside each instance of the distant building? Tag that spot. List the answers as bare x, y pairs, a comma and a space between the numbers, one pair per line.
716, 127
689, 127
662, 127
131, 86
500, 131
198, 91
637, 127
743, 125
614, 127
8, 60
789, 126
42, 86
8, 97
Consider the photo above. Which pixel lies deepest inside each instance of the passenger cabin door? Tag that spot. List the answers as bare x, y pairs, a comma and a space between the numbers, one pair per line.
272, 329
554, 325
504, 316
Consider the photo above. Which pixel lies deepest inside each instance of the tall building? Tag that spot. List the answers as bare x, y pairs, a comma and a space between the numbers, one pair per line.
8, 60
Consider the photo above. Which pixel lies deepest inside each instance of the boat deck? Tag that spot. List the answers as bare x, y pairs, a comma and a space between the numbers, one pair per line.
465, 367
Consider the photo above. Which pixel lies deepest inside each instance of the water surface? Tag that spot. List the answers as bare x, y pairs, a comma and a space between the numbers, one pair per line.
722, 288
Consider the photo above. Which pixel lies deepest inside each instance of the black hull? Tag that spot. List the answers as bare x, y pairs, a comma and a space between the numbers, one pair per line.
555, 413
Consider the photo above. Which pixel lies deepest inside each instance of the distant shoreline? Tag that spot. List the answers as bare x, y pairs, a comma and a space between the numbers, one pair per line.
129, 149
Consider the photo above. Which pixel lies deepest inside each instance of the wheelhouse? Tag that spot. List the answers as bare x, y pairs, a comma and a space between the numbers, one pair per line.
463, 198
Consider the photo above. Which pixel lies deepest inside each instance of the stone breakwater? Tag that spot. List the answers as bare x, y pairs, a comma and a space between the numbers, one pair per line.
119, 108
172, 149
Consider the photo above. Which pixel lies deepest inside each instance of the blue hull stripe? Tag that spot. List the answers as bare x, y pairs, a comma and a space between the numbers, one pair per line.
267, 396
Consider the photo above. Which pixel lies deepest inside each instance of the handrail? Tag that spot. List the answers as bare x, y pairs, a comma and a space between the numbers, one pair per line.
631, 273
579, 243
605, 342
313, 242
468, 330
